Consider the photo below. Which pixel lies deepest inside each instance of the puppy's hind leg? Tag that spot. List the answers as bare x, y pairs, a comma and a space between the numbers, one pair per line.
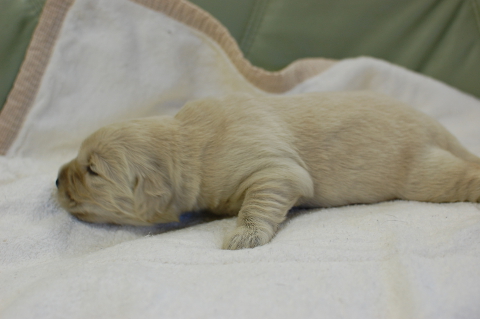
439, 176
266, 204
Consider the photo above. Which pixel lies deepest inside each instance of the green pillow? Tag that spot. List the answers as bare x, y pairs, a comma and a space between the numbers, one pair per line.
439, 38
18, 19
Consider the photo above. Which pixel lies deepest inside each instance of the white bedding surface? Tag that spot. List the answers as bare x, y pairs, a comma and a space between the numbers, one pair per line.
112, 61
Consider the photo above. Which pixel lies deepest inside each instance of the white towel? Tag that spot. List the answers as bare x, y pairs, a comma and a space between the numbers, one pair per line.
117, 59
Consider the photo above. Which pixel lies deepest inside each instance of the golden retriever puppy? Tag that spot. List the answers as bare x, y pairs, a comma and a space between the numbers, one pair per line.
258, 156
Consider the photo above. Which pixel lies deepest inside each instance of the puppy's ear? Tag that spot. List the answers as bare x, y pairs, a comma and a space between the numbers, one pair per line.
151, 199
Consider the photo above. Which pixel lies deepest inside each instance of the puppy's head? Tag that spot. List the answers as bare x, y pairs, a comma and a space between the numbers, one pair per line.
121, 175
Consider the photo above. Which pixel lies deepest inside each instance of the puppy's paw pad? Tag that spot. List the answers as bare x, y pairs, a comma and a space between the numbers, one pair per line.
245, 237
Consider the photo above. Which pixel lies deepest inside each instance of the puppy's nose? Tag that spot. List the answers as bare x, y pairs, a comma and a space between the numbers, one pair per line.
56, 182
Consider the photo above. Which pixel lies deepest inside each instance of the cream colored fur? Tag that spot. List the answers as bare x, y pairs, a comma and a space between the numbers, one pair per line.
257, 157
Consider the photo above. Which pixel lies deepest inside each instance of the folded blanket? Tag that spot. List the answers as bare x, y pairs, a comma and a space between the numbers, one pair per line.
94, 62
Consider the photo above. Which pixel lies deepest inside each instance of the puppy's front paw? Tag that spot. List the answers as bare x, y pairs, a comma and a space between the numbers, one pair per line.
246, 237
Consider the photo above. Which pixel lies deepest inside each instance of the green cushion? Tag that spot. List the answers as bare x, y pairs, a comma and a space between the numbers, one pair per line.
18, 19
440, 38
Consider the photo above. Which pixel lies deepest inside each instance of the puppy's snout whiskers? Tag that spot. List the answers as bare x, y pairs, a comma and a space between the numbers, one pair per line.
69, 197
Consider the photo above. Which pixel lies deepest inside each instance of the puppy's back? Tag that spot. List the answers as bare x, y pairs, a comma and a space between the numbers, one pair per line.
350, 142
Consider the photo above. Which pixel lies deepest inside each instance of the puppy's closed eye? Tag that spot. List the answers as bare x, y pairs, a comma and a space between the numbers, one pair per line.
91, 171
